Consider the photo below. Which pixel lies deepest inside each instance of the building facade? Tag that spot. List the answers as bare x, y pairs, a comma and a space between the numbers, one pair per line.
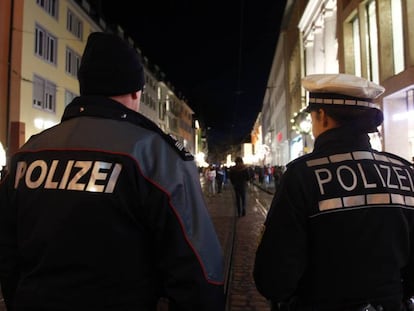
373, 39
42, 44
274, 115
6, 25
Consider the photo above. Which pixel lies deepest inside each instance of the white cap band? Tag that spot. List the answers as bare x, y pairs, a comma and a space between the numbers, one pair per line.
342, 101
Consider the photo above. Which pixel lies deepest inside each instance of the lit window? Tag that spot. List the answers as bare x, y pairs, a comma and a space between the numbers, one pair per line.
372, 43
397, 36
357, 47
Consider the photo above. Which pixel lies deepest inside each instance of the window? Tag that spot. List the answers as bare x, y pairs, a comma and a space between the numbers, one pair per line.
397, 36
38, 89
45, 45
372, 42
44, 94
72, 62
74, 25
69, 96
161, 110
50, 6
357, 48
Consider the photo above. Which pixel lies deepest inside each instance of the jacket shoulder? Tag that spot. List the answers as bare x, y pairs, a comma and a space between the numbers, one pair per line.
300, 160
178, 147
394, 157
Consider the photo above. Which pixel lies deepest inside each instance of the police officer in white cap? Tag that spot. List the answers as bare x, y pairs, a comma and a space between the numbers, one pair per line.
339, 234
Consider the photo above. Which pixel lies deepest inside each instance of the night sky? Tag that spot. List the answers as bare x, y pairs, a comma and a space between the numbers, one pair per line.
217, 55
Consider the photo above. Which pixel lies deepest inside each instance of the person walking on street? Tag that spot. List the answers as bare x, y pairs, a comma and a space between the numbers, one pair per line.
211, 180
220, 178
103, 211
277, 174
239, 176
339, 234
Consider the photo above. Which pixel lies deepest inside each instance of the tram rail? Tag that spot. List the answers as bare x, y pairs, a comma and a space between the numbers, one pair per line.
262, 198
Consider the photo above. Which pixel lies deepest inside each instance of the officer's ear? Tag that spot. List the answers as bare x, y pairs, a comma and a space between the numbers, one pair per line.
327, 121
324, 117
319, 113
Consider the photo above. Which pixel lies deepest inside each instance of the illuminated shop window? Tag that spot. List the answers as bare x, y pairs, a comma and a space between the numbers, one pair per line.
397, 36
357, 47
372, 42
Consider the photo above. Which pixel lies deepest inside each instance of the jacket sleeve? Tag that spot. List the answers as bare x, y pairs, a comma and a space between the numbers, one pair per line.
8, 246
281, 254
189, 255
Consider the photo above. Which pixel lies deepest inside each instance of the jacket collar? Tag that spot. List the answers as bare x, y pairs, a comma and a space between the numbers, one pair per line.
342, 138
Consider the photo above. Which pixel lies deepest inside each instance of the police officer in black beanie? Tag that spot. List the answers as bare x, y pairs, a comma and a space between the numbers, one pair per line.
339, 235
104, 211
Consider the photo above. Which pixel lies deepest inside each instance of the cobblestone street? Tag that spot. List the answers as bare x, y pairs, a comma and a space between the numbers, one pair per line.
242, 293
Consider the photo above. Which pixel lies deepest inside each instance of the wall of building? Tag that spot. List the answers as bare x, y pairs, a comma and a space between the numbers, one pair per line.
395, 66
365, 38
5, 36
16, 128
19, 118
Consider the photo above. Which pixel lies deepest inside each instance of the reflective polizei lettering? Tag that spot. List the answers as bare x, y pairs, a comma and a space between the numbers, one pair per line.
91, 176
355, 173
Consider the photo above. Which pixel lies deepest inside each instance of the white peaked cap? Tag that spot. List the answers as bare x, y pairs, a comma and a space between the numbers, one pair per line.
343, 84
345, 90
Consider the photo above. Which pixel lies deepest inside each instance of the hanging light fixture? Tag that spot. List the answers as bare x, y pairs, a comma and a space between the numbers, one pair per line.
301, 122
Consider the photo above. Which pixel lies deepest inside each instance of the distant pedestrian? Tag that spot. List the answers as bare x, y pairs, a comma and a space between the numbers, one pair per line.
252, 175
220, 178
103, 211
211, 180
239, 176
268, 175
339, 234
277, 175
260, 174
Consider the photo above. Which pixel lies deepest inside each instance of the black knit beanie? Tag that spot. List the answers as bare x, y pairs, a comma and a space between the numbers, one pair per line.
109, 66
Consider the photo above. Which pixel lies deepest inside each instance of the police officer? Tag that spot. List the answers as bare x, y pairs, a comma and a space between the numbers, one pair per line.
104, 211
339, 234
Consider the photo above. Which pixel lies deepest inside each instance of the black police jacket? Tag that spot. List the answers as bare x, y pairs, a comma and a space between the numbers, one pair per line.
105, 212
339, 231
